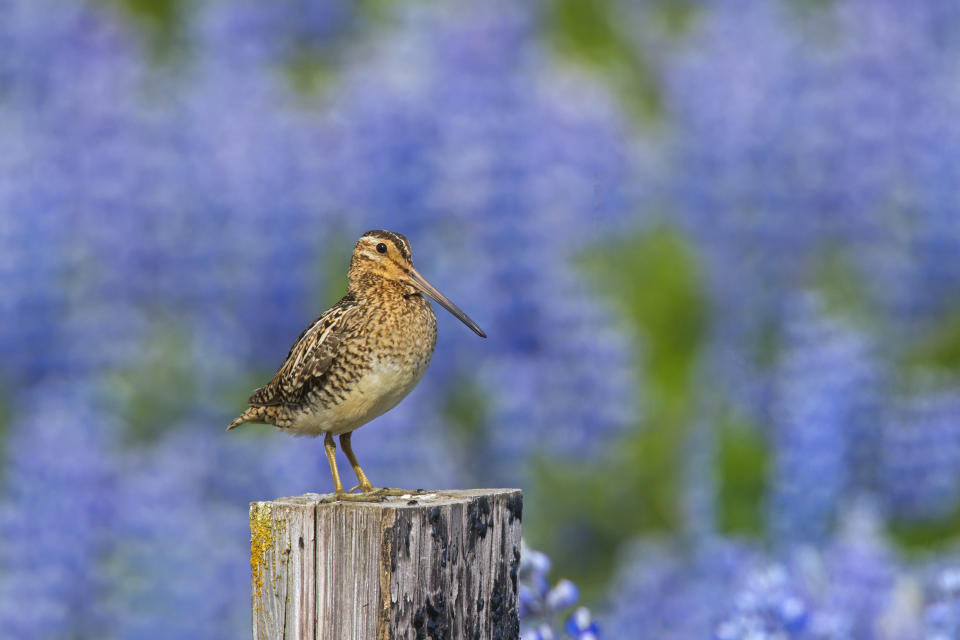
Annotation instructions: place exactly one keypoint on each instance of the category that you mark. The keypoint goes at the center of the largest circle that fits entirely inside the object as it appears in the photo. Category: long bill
(421, 283)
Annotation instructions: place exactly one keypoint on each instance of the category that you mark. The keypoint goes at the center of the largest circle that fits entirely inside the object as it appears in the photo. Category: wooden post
(420, 566)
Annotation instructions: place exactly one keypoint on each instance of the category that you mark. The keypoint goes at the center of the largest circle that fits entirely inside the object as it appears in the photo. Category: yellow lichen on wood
(261, 541)
(281, 527)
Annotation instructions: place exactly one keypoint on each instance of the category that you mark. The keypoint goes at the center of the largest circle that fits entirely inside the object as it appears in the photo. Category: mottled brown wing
(310, 356)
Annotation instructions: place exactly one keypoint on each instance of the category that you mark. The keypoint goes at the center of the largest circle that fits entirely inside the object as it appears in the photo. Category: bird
(359, 358)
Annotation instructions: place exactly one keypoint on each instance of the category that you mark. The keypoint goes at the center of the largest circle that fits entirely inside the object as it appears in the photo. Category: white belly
(383, 386)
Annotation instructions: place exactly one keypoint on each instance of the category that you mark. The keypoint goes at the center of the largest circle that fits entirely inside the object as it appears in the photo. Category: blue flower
(57, 516)
(920, 462)
(941, 616)
(845, 589)
(455, 133)
(581, 626)
(768, 605)
(860, 570)
(823, 375)
(181, 556)
(790, 147)
(247, 32)
(661, 592)
(542, 608)
(699, 480)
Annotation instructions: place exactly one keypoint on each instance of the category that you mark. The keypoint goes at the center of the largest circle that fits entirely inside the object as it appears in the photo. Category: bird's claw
(386, 492)
(372, 494)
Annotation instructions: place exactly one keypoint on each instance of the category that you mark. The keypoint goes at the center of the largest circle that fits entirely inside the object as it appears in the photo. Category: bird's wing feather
(310, 357)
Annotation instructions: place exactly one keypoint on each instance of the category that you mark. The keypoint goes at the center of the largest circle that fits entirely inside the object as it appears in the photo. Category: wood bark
(428, 565)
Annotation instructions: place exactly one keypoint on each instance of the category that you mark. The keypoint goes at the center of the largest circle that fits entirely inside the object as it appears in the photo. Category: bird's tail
(253, 414)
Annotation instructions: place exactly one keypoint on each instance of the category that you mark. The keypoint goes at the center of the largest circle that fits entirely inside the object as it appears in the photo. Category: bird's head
(386, 254)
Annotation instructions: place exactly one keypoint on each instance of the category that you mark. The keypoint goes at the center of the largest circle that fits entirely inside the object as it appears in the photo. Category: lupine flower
(72, 78)
(454, 132)
(822, 375)
(661, 592)
(581, 625)
(860, 571)
(815, 148)
(699, 488)
(170, 204)
(156, 221)
(254, 33)
(544, 610)
(56, 516)
(941, 618)
(182, 540)
(921, 457)
(226, 190)
(771, 604)
(726, 590)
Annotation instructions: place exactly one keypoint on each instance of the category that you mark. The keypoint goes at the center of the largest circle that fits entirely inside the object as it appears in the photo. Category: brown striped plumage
(359, 358)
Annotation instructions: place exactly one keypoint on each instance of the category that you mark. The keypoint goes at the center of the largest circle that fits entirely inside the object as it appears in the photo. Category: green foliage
(939, 348)
(309, 70)
(379, 11)
(813, 5)
(588, 29)
(743, 460)
(591, 32)
(333, 263)
(158, 389)
(840, 286)
(159, 20)
(465, 409)
(466, 415)
(653, 280)
(580, 514)
(930, 535)
(158, 14)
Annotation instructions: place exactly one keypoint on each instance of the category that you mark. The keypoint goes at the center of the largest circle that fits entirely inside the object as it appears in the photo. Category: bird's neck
(371, 285)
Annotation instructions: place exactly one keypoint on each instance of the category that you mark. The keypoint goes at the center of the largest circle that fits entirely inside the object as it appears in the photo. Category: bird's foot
(363, 488)
(349, 496)
(390, 491)
(371, 495)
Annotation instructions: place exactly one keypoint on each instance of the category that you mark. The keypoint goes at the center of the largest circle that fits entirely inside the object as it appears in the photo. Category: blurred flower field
(715, 245)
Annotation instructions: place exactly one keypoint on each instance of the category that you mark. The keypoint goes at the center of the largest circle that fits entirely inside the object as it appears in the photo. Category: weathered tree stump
(421, 566)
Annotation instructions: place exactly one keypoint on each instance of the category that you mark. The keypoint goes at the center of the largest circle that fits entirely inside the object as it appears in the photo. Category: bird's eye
(382, 248)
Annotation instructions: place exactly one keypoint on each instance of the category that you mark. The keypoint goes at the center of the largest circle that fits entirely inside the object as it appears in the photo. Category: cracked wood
(439, 565)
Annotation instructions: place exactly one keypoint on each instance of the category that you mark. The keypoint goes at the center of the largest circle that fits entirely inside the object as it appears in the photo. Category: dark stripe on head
(397, 239)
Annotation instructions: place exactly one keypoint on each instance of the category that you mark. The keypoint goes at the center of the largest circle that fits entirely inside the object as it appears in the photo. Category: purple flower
(770, 604)
(455, 132)
(823, 375)
(181, 559)
(57, 516)
(542, 608)
(661, 592)
(860, 571)
(920, 462)
(799, 160)
(941, 616)
(580, 625)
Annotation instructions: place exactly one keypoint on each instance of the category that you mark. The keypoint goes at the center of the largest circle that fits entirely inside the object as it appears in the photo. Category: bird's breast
(384, 385)
(386, 365)
(379, 388)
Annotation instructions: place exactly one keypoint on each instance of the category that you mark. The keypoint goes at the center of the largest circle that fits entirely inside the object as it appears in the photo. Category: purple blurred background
(715, 245)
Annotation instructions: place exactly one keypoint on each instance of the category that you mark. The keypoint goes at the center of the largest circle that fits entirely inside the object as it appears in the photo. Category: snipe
(360, 357)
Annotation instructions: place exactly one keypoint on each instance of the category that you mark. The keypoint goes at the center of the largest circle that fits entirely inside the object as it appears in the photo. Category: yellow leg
(331, 448)
(365, 485)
